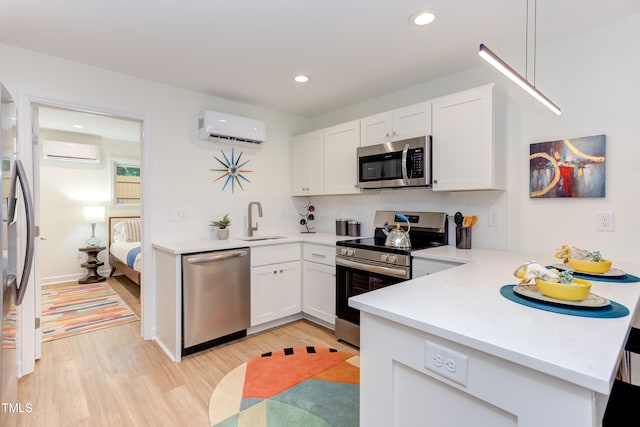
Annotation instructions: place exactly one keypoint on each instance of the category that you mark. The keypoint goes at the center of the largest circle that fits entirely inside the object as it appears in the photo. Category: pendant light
(523, 82)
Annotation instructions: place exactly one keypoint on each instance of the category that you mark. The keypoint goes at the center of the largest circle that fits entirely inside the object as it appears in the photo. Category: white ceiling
(92, 124)
(249, 50)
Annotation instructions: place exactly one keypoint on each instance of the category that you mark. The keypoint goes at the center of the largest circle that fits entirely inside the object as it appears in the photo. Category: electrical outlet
(446, 362)
(177, 215)
(605, 221)
(493, 219)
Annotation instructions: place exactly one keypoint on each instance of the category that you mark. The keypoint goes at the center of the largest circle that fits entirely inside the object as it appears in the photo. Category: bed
(124, 246)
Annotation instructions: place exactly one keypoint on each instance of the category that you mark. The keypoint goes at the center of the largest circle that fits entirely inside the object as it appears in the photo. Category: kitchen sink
(255, 238)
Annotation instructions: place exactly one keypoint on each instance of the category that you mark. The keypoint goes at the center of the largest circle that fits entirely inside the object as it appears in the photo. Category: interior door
(35, 138)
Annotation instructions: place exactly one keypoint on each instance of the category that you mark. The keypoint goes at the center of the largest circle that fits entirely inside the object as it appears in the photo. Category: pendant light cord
(535, 42)
(526, 43)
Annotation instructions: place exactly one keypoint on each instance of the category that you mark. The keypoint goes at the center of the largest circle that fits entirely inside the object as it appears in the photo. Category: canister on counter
(353, 228)
(341, 227)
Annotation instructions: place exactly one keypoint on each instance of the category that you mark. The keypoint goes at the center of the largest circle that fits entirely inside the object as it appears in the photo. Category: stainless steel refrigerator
(17, 229)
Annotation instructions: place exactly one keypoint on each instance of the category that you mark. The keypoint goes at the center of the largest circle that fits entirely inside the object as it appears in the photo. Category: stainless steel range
(364, 265)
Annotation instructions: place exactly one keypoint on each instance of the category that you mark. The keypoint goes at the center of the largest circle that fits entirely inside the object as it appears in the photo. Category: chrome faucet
(251, 227)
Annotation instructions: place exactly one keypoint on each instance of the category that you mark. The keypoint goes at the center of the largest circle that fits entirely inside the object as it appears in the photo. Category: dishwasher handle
(220, 257)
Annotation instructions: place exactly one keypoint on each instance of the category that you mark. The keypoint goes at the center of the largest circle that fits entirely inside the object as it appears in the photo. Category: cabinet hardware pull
(319, 255)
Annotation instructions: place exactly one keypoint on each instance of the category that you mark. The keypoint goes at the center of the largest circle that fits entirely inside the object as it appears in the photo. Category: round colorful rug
(302, 386)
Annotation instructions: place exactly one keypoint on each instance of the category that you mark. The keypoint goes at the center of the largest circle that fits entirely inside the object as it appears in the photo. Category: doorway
(79, 157)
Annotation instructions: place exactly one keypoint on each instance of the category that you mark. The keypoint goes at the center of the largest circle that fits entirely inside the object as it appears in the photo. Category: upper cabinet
(324, 161)
(468, 145)
(402, 123)
(469, 150)
(307, 164)
(340, 158)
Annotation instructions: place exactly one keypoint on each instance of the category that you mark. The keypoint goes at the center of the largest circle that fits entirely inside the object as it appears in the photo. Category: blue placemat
(627, 278)
(611, 311)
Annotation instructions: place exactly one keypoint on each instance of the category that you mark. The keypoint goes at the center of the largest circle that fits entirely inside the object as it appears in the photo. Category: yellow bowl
(590, 266)
(577, 290)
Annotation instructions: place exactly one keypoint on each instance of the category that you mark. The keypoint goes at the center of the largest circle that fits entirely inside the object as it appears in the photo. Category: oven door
(356, 277)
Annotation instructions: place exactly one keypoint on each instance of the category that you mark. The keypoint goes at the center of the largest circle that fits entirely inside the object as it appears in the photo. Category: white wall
(594, 80)
(65, 187)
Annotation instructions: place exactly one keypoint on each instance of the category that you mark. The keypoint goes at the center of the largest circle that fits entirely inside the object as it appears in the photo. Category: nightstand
(92, 264)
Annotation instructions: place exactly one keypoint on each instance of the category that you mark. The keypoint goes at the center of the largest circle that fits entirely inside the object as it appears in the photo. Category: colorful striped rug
(76, 309)
(302, 386)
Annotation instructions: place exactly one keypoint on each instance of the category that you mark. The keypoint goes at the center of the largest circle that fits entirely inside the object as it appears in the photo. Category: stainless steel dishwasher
(216, 298)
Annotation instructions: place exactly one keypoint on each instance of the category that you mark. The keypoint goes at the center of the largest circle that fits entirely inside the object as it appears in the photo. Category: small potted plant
(222, 227)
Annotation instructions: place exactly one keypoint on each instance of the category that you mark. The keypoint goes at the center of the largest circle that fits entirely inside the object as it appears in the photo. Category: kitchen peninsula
(449, 349)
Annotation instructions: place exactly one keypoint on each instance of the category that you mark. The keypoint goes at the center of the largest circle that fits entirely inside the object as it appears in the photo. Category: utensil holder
(463, 237)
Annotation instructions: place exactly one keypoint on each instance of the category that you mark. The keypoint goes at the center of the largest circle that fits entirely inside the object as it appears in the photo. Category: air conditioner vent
(70, 152)
(215, 125)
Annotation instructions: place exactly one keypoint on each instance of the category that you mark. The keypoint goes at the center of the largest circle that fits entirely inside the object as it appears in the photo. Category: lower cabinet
(320, 291)
(282, 286)
(275, 282)
(319, 283)
(275, 291)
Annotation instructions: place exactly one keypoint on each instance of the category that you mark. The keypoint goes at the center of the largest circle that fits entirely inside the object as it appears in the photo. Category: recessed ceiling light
(78, 126)
(422, 17)
(301, 78)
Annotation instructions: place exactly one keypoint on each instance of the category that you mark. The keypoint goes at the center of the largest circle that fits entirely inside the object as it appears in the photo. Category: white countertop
(192, 246)
(463, 304)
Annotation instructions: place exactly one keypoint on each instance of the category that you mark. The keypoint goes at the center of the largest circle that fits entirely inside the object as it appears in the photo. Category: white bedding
(120, 249)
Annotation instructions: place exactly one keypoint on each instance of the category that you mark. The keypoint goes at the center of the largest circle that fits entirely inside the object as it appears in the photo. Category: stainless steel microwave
(395, 164)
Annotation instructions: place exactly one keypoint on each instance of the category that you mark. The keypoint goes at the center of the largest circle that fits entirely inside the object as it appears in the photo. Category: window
(126, 183)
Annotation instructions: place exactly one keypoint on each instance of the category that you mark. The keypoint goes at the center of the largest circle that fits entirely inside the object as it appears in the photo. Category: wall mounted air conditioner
(214, 125)
(70, 151)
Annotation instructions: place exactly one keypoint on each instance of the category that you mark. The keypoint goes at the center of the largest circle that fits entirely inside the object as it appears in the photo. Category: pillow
(132, 229)
(119, 234)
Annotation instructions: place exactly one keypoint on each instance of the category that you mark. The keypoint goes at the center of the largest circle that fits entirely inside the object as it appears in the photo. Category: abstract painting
(568, 168)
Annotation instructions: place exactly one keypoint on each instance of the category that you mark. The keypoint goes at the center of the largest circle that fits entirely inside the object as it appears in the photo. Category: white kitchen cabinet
(422, 267)
(275, 291)
(403, 123)
(324, 161)
(469, 150)
(307, 164)
(340, 162)
(275, 282)
(319, 283)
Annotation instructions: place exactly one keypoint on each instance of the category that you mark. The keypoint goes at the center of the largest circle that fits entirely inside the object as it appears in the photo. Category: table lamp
(93, 214)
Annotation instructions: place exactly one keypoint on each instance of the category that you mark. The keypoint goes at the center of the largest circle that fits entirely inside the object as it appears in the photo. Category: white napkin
(532, 269)
(566, 251)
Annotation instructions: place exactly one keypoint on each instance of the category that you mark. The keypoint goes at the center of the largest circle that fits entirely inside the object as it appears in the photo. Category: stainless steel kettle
(398, 238)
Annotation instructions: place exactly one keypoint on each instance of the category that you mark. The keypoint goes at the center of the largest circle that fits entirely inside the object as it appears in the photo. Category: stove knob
(343, 251)
(393, 258)
(350, 252)
(384, 257)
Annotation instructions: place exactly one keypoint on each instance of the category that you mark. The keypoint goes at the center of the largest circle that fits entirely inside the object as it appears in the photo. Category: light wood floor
(111, 377)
